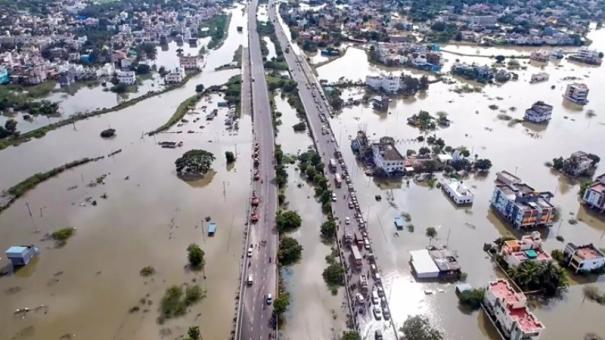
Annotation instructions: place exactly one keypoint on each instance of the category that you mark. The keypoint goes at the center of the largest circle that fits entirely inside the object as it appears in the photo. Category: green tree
(431, 232)
(557, 163)
(350, 335)
(11, 125)
(199, 88)
(281, 303)
(230, 156)
(289, 251)
(328, 230)
(195, 254)
(547, 277)
(472, 298)
(287, 221)
(194, 333)
(418, 328)
(483, 164)
(143, 69)
(334, 275)
(194, 162)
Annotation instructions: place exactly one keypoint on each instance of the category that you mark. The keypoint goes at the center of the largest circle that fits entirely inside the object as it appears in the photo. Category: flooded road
(314, 313)
(520, 148)
(148, 219)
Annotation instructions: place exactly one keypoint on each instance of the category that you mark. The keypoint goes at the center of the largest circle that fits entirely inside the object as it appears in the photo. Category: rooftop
(389, 152)
(588, 252)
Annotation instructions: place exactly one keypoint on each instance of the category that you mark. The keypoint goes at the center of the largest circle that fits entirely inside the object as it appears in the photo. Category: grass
(35, 91)
(217, 30)
(31, 182)
(176, 301)
(41, 132)
(180, 112)
(63, 234)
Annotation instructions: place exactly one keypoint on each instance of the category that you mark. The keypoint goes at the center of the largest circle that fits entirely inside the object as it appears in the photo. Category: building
(577, 93)
(386, 157)
(4, 76)
(585, 258)
(380, 103)
(388, 83)
(540, 56)
(538, 113)
(22, 255)
(126, 77)
(458, 192)
(587, 56)
(175, 76)
(580, 163)
(594, 196)
(528, 248)
(483, 74)
(519, 204)
(508, 310)
(539, 77)
(189, 62)
(434, 263)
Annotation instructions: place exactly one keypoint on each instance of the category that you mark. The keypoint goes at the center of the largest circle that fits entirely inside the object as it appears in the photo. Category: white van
(249, 281)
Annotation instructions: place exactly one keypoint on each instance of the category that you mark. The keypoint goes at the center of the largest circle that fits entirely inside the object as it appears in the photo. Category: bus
(357, 260)
(337, 180)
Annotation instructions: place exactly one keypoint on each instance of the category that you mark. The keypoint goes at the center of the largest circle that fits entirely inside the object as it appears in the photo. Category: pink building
(528, 248)
(508, 309)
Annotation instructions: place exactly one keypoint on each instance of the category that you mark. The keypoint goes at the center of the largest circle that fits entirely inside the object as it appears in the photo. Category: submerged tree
(194, 163)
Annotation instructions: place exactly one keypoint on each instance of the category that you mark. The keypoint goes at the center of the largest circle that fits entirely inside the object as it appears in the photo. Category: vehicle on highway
(337, 180)
(366, 243)
(377, 313)
(250, 251)
(249, 281)
(333, 197)
(347, 220)
(332, 164)
(375, 298)
(377, 277)
(269, 299)
(377, 335)
(351, 205)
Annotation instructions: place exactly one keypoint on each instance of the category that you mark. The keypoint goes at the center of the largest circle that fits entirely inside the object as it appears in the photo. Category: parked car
(377, 313)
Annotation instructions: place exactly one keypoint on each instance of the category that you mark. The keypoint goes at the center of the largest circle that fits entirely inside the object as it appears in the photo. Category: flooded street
(517, 147)
(314, 313)
(148, 219)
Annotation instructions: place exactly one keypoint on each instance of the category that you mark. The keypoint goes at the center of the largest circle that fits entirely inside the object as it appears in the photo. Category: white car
(250, 251)
(269, 299)
(347, 220)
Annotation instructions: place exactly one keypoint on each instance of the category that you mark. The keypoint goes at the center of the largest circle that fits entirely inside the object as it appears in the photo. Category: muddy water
(148, 218)
(520, 148)
(314, 313)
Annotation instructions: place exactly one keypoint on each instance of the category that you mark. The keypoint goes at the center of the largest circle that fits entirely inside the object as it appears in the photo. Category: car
(366, 243)
(377, 313)
(249, 281)
(347, 220)
(380, 291)
(350, 205)
(269, 299)
(375, 298)
(250, 251)
(377, 335)
(333, 197)
(377, 277)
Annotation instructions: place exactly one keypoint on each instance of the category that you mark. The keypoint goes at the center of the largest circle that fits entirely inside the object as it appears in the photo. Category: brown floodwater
(149, 218)
(520, 148)
(314, 313)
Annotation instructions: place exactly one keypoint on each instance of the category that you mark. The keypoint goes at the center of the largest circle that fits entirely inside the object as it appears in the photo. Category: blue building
(4, 77)
(22, 255)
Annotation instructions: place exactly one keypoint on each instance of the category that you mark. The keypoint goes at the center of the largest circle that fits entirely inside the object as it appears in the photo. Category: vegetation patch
(194, 164)
(195, 255)
(147, 271)
(418, 328)
(176, 301)
(180, 112)
(216, 28)
(289, 251)
(472, 298)
(287, 221)
(62, 235)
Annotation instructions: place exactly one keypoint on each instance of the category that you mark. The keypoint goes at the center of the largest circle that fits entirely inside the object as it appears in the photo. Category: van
(249, 281)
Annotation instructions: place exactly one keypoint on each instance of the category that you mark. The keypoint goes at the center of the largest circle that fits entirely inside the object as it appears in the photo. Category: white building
(458, 192)
(577, 93)
(509, 309)
(126, 77)
(189, 62)
(386, 83)
(175, 76)
(386, 157)
(584, 258)
(594, 196)
(528, 248)
(423, 264)
(540, 112)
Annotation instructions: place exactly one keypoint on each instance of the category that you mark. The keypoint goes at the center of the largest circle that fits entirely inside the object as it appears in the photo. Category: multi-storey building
(577, 93)
(540, 112)
(584, 258)
(594, 196)
(528, 248)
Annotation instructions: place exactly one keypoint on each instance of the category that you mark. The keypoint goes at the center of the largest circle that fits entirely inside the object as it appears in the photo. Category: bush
(147, 271)
(431, 232)
(328, 230)
(175, 301)
(62, 235)
(289, 251)
(195, 254)
(472, 298)
(334, 275)
(280, 305)
(299, 127)
(350, 335)
(287, 221)
(418, 328)
(194, 333)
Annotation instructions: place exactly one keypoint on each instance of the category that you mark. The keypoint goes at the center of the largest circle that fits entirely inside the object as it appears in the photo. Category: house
(483, 74)
(189, 62)
(508, 310)
(539, 77)
(580, 163)
(587, 56)
(540, 56)
(380, 103)
(126, 77)
(446, 261)
(519, 204)
(594, 196)
(387, 83)
(175, 76)
(434, 263)
(584, 258)
(22, 255)
(538, 113)
(458, 192)
(528, 248)
(577, 93)
(386, 157)
(67, 77)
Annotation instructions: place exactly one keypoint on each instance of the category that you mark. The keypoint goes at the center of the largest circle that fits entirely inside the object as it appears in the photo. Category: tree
(289, 251)
(280, 305)
(350, 335)
(199, 88)
(500, 59)
(195, 254)
(334, 274)
(299, 127)
(194, 333)
(547, 277)
(11, 125)
(431, 232)
(483, 164)
(194, 163)
(424, 151)
(328, 230)
(557, 163)
(143, 69)
(287, 221)
(472, 298)
(418, 328)
(230, 157)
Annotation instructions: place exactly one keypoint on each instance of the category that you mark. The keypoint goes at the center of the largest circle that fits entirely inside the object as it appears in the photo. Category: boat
(211, 229)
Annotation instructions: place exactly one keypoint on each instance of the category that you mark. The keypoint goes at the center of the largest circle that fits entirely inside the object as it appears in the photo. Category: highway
(369, 316)
(255, 313)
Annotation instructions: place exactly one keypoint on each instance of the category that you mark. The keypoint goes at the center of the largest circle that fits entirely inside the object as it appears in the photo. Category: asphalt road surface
(255, 315)
(317, 112)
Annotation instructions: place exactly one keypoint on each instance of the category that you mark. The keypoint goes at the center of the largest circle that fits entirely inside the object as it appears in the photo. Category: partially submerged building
(519, 204)
(528, 248)
(594, 196)
(434, 263)
(458, 192)
(539, 112)
(508, 310)
(387, 158)
(22, 255)
(577, 93)
(584, 258)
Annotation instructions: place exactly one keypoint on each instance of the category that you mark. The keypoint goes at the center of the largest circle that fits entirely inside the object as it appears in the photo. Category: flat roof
(588, 252)
(423, 262)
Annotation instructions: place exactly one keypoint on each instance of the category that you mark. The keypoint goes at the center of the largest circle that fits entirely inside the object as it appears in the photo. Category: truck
(337, 180)
(357, 260)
